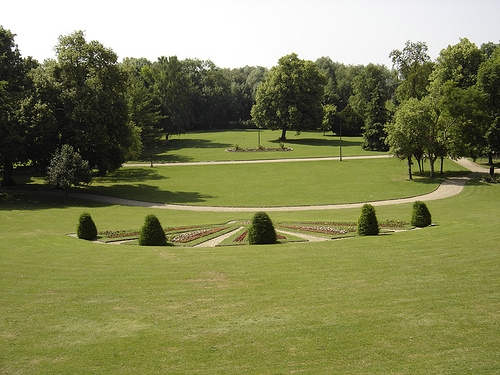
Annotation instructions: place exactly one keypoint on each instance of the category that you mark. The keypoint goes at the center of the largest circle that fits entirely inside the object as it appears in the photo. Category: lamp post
(340, 134)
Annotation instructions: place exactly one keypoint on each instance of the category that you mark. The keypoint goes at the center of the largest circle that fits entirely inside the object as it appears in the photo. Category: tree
(372, 89)
(461, 105)
(406, 135)
(91, 108)
(367, 222)
(12, 90)
(291, 97)
(152, 234)
(143, 112)
(172, 90)
(414, 67)
(262, 230)
(67, 168)
(488, 79)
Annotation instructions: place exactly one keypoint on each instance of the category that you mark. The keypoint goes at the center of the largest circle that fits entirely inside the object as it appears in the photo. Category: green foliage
(421, 217)
(262, 230)
(290, 98)
(67, 168)
(152, 233)
(86, 228)
(367, 222)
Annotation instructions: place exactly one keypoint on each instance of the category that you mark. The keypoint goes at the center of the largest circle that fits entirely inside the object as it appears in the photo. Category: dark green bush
(86, 228)
(262, 230)
(152, 234)
(367, 222)
(420, 217)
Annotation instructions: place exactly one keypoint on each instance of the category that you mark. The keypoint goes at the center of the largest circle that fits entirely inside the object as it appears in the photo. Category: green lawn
(418, 302)
(212, 146)
(276, 184)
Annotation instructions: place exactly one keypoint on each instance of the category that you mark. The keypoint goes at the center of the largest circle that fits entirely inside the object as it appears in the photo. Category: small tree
(421, 217)
(67, 168)
(152, 233)
(262, 230)
(86, 228)
(367, 222)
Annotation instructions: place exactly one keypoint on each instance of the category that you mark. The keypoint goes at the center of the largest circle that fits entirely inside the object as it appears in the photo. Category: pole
(340, 134)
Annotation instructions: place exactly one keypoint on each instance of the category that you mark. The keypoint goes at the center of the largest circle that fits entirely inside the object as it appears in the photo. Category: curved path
(447, 188)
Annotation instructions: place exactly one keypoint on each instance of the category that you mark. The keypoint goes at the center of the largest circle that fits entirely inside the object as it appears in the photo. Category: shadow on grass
(332, 141)
(147, 193)
(131, 175)
(14, 200)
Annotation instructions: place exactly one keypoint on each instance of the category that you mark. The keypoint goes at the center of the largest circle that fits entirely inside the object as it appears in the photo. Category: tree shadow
(131, 175)
(148, 193)
(327, 141)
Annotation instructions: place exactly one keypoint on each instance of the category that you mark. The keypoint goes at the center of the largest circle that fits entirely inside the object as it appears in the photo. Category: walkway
(448, 188)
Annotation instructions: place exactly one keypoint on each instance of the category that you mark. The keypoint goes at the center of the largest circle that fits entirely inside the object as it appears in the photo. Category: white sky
(235, 33)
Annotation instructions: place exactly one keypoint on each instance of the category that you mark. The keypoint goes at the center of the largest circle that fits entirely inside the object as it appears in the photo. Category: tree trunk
(431, 164)
(490, 158)
(442, 162)
(409, 168)
(283, 135)
(7, 179)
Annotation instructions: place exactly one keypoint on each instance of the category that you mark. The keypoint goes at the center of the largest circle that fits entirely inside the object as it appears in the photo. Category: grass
(419, 302)
(277, 184)
(212, 146)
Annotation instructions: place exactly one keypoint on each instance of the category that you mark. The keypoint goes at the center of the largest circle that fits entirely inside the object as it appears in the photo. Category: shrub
(152, 234)
(262, 230)
(86, 228)
(420, 217)
(367, 222)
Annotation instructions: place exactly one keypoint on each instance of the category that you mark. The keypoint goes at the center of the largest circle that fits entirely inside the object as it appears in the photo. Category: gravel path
(447, 188)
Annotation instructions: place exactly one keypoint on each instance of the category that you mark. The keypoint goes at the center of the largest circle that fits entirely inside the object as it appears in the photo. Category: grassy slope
(424, 301)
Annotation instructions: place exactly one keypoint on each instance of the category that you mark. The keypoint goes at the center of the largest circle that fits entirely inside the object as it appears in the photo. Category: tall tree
(94, 117)
(143, 111)
(12, 90)
(414, 67)
(372, 89)
(291, 97)
(489, 82)
(460, 103)
(172, 89)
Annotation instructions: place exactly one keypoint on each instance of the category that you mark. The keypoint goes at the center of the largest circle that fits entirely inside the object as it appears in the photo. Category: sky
(236, 33)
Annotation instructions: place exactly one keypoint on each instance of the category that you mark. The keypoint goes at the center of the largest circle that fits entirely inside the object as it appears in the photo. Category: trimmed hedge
(262, 230)
(86, 228)
(420, 217)
(367, 222)
(152, 233)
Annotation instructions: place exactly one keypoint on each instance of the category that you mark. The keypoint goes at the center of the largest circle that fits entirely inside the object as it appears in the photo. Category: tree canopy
(291, 97)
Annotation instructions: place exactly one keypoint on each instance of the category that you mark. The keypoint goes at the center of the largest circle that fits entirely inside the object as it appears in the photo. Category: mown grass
(276, 184)
(212, 146)
(419, 302)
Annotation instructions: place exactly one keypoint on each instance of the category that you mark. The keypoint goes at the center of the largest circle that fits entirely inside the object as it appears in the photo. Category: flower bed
(190, 236)
(322, 228)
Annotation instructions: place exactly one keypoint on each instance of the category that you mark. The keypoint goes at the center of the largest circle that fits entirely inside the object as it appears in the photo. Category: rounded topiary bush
(367, 222)
(262, 230)
(86, 228)
(420, 217)
(152, 234)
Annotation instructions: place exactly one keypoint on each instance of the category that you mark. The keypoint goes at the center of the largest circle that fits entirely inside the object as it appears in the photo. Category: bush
(86, 228)
(367, 222)
(420, 217)
(152, 234)
(262, 230)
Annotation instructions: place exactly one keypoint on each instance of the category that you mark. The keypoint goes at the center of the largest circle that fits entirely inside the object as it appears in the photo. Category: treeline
(111, 111)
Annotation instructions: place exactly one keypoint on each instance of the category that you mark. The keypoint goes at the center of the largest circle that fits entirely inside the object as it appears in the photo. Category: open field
(419, 302)
(212, 146)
